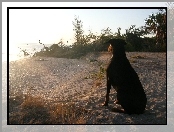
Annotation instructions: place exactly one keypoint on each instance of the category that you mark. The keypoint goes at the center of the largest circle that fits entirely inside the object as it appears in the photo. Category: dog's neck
(118, 56)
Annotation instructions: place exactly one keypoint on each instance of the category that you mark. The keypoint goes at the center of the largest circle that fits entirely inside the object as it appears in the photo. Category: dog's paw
(105, 104)
(117, 102)
(118, 110)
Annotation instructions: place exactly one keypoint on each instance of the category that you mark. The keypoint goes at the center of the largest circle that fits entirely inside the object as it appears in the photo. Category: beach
(83, 82)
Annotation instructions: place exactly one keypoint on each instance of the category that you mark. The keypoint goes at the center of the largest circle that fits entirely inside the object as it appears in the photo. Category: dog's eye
(110, 48)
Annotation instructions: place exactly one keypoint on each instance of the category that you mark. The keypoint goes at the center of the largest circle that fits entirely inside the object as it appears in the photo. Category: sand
(80, 81)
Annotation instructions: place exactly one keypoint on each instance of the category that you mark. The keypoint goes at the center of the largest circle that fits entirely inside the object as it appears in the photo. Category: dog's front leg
(107, 93)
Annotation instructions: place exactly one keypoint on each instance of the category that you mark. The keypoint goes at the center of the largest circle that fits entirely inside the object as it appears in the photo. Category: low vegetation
(135, 37)
(30, 109)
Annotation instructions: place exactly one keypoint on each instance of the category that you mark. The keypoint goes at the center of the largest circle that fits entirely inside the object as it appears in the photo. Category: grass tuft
(35, 110)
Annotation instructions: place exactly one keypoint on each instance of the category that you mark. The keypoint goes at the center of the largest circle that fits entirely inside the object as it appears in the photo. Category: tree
(156, 24)
(78, 28)
(133, 38)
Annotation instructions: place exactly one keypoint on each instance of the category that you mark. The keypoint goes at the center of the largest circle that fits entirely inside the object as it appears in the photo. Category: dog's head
(116, 46)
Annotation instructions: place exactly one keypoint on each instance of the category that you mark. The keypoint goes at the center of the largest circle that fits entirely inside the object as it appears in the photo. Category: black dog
(123, 78)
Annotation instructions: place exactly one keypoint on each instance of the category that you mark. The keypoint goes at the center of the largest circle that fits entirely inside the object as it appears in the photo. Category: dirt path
(81, 81)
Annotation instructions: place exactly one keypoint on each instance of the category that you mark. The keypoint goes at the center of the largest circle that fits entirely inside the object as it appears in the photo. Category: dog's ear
(122, 41)
(110, 42)
(125, 43)
(114, 41)
(107, 42)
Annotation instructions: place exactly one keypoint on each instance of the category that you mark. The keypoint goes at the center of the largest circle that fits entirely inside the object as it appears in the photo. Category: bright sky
(51, 25)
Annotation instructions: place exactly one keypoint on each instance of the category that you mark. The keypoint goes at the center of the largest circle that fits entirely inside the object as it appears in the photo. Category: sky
(51, 25)
(28, 26)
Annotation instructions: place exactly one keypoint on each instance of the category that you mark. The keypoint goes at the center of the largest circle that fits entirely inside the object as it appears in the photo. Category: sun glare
(29, 26)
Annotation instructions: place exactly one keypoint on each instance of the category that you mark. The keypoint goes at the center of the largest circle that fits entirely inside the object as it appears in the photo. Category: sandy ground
(80, 81)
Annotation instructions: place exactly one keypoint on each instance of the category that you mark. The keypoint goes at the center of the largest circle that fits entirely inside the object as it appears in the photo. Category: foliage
(135, 38)
(156, 24)
(78, 28)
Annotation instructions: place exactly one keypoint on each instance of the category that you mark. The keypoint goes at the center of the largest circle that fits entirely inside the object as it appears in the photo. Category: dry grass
(30, 109)
(35, 110)
(139, 57)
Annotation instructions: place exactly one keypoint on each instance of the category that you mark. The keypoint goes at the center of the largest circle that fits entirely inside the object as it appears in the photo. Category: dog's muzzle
(110, 48)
